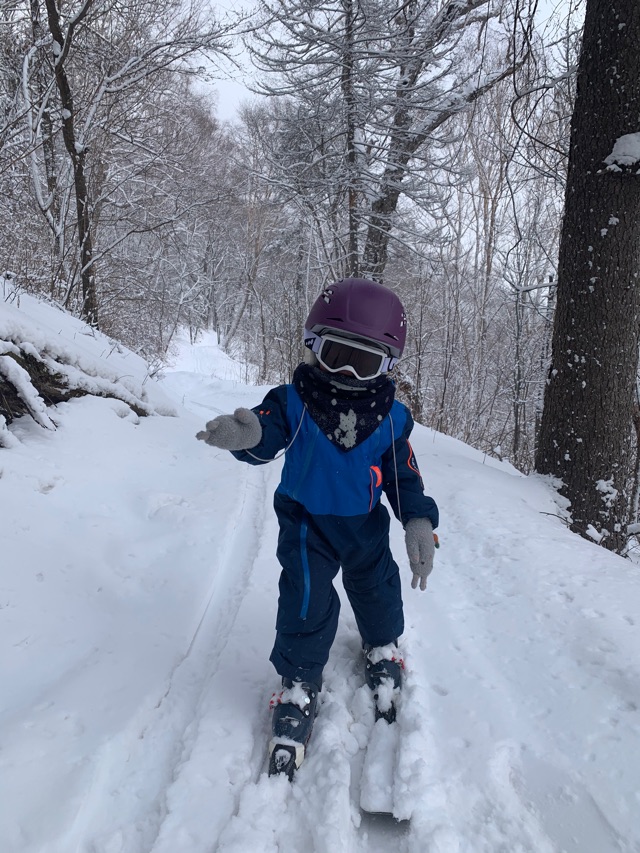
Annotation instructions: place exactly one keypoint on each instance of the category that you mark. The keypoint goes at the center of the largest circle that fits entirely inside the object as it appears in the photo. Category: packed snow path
(138, 718)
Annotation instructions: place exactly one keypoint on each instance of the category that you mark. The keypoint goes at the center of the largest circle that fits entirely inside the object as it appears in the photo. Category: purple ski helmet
(359, 308)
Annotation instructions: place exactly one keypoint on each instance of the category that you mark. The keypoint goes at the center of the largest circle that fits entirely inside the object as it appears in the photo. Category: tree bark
(586, 427)
(78, 154)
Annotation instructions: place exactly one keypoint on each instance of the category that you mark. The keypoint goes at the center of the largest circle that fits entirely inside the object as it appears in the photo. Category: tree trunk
(77, 152)
(51, 206)
(586, 427)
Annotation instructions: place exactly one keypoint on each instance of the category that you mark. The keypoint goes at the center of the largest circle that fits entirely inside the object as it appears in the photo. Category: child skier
(346, 441)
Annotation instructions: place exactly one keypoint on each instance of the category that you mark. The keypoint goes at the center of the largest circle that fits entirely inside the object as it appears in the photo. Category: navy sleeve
(408, 486)
(272, 413)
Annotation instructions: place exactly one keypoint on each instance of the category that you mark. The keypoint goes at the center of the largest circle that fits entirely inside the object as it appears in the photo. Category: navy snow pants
(311, 550)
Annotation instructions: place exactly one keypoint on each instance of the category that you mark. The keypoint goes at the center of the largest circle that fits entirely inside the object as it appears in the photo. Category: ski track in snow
(189, 730)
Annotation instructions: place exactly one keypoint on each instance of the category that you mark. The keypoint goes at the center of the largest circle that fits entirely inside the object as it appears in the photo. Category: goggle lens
(365, 363)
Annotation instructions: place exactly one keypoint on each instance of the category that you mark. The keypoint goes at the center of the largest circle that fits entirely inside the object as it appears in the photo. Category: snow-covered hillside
(138, 587)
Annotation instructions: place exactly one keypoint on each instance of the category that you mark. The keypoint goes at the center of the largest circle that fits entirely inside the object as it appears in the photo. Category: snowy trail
(493, 759)
(483, 771)
(226, 743)
(531, 736)
(165, 738)
(137, 627)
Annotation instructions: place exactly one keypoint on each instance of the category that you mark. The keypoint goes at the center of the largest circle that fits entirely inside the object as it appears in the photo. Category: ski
(377, 783)
(384, 668)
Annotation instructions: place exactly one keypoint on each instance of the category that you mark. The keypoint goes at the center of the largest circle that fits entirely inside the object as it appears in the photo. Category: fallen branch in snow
(566, 521)
(29, 383)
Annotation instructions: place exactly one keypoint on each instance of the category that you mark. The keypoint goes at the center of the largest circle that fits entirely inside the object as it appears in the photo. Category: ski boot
(294, 712)
(383, 673)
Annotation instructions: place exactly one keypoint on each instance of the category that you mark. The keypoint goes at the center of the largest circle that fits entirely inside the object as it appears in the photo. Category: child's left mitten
(239, 431)
(421, 546)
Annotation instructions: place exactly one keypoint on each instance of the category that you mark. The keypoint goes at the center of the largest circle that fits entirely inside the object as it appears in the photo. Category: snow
(138, 590)
(608, 492)
(294, 695)
(89, 360)
(626, 152)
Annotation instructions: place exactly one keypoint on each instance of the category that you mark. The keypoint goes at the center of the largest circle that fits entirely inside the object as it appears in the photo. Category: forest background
(421, 143)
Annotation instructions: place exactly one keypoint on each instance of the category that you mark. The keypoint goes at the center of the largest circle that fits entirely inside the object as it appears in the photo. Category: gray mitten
(238, 431)
(418, 538)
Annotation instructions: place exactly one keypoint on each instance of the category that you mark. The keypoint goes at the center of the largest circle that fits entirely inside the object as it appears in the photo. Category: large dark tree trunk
(586, 427)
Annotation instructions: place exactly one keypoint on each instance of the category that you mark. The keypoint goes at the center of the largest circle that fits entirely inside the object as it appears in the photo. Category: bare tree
(381, 81)
(101, 57)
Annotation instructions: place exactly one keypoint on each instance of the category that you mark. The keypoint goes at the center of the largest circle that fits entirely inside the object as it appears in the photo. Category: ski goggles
(338, 355)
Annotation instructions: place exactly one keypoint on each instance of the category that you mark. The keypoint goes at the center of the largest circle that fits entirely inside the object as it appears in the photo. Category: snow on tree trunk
(586, 429)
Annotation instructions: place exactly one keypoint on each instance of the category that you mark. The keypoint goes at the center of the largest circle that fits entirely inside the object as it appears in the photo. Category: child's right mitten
(239, 431)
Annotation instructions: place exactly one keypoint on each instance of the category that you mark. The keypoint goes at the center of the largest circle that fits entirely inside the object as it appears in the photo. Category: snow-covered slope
(138, 588)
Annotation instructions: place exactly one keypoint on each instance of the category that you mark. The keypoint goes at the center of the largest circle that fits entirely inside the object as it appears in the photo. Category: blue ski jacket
(329, 481)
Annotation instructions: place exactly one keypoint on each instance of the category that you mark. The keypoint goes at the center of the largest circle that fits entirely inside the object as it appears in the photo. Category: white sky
(231, 92)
